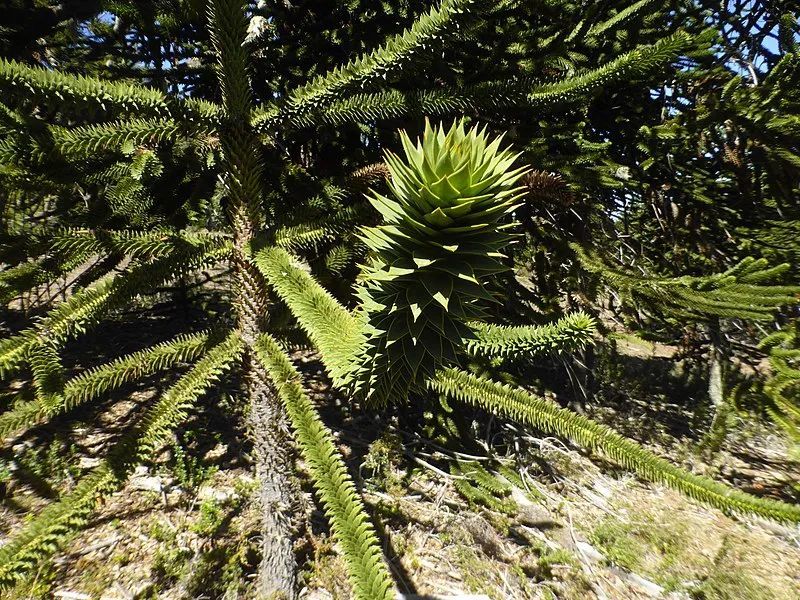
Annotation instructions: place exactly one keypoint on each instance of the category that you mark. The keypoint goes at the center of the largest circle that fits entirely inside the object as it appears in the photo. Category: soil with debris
(182, 526)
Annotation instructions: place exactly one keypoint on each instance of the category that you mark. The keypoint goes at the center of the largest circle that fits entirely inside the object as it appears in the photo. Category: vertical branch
(267, 421)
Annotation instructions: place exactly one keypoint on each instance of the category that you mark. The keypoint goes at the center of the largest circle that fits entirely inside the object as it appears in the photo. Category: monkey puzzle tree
(422, 300)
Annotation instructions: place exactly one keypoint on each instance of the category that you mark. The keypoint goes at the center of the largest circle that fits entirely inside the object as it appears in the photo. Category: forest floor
(182, 526)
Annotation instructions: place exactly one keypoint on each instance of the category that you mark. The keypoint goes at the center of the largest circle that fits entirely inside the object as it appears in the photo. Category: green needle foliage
(782, 387)
(32, 84)
(442, 235)
(568, 334)
(329, 325)
(395, 53)
(520, 405)
(52, 527)
(351, 526)
(632, 64)
(190, 156)
(548, 417)
(102, 378)
(743, 291)
(86, 308)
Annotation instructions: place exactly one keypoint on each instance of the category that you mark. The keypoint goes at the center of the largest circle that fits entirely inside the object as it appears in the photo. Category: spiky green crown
(452, 183)
(444, 229)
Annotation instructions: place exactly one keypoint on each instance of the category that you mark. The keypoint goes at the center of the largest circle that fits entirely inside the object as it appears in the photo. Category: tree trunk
(269, 433)
(267, 423)
(716, 389)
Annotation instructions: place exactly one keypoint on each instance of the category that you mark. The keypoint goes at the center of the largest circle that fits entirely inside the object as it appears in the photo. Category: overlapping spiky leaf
(95, 381)
(782, 387)
(570, 333)
(743, 291)
(443, 231)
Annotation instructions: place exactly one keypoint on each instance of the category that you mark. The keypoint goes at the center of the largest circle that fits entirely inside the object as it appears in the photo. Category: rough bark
(267, 424)
(716, 389)
(269, 433)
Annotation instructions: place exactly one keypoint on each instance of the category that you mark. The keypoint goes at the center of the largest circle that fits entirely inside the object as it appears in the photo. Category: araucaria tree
(275, 181)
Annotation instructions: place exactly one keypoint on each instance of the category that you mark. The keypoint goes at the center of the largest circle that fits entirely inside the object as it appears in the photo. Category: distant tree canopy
(646, 182)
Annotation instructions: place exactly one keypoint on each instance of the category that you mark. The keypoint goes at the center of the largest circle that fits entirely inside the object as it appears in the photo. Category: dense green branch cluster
(85, 308)
(331, 328)
(548, 417)
(743, 291)
(52, 527)
(393, 55)
(568, 334)
(518, 404)
(26, 84)
(144, 169)
(443, 231)
(103, 378)
(631, 64)
(782, 388)
(136, 244)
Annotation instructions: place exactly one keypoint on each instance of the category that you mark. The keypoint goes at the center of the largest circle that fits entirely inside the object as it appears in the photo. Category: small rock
(602, 488)
(140, 471)
(147, 484)
(18, 449)
(175, 494)
(142, 589)
(87, 462)
(221, 495)
(589, 551)
(246, 479)
(485, 536)
(216, 453)
(115, 592)
(438, 597)
(648, 587)
(94, 440)
(533, 515)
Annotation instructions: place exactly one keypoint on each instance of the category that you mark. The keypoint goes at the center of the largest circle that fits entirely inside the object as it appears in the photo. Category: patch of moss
(327, 570)
(212, 516)
(728, 581)
(699, 559)
(170, 564)
(221, 571)
(382, 462)
(560, 567)
(634, 544)
(96, 577)
(161, 532)
(53, 462)
(39, 586)
(477, 572)
(551, 558)
(189, 470)
(731, 585)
